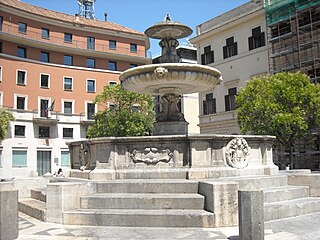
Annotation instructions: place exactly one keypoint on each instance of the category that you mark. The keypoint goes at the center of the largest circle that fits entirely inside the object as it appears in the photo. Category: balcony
(86, 120)
(48, 118)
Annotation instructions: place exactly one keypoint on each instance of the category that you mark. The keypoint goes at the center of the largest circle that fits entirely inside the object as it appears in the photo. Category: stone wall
(181, 156)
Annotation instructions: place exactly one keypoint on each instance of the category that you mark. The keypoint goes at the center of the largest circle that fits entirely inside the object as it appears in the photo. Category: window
(230, 103)
(19, 158)
(67, 83)
(68, 132)
(21, 77)
(257, 39)
(44, 107)
(90, 43)
(67, 107)
(0, 73)
(68, 60)
(112, 66)
(0, 47)
(112, 44)
(91, 109)
(112, 83)
(44, 132)
(44, 57)
(209, 105)
(280, 29)
(133, 65)
(231, 48)
(91, 63)
(22, 52)
(19, 131)
(133, 47)
(68, 37)
(21, 103)
(208, 56)
(1, 22)
(65, 158)
(22, 27)
(45, 33)
(91, 85)
(44, 80)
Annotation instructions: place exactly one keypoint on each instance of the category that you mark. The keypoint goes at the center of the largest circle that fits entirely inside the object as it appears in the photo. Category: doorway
(43, 162)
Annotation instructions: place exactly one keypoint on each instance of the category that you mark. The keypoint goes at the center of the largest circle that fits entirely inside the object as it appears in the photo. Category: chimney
(106, 17)
(77, 17)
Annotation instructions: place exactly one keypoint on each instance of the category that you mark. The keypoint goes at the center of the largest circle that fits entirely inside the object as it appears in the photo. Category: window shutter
(263, 39)
(250, 40)
(227, 103)
(212, 56)
(204, 106)
(225, 55)
(203, 59)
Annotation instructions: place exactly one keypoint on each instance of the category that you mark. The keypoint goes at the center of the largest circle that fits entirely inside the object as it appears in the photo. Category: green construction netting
(278, 10)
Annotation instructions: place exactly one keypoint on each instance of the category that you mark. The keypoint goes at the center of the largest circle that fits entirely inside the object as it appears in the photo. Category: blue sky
(141, 14)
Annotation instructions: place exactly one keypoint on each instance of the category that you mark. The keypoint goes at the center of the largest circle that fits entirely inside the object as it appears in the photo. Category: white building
(235, 44)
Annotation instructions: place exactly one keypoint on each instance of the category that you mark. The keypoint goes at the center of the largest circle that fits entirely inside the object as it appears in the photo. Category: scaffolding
(86, 8)
(294, 36)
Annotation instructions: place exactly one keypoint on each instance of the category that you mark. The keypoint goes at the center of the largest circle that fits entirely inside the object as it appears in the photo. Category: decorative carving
(237, 152)
(169, 109)
(161, 73)
(151, 156)
(84, 156)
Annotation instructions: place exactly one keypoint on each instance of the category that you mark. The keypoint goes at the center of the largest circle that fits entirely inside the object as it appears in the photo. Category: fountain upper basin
(167, 78)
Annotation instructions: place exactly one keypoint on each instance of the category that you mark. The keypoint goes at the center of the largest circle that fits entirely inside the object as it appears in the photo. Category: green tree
(131, 114)
(5, 118)
(285, 105)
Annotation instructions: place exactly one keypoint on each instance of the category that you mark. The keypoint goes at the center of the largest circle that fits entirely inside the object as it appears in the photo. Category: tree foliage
(5, 118)
(285, 105)
(131, 114)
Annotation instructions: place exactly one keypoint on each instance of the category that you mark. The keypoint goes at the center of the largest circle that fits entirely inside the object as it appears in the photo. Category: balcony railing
(48, 117)
(33, 35)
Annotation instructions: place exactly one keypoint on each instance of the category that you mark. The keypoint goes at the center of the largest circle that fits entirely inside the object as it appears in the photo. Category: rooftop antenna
(86, 8)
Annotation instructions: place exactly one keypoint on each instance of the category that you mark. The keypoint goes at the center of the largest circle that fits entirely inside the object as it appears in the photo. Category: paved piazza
(305, 227)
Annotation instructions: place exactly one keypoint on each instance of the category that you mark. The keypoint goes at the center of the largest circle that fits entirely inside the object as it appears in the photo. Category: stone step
(265, 181)
(34, 208)
(291, 208)
(139, 218)
(148, 186)
(39, 194)
(142, 201)
(283, 193)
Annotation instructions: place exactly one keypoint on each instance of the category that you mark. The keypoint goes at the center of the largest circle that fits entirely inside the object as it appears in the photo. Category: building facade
(256, 38)
(235, 44)
(52, 65)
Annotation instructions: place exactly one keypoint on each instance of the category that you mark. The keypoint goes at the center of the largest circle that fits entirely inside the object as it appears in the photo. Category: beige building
(52, 65)
(235, 44)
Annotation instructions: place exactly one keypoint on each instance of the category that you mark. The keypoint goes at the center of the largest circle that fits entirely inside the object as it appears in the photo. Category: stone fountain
(171, 152)
(146, 181)
(170, 79)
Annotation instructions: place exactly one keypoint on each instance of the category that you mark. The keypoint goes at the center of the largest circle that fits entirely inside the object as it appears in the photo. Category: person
(59, 173)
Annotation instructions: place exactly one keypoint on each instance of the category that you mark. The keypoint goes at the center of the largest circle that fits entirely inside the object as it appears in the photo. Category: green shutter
(19, 158)
(65, 158)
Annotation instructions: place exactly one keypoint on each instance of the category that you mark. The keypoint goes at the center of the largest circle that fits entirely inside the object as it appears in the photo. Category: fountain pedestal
(170, 128)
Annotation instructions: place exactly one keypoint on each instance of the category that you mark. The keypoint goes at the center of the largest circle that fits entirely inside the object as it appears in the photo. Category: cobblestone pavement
(306, 227)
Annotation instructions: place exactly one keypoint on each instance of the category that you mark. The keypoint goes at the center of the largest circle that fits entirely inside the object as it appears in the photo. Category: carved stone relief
(237, 153)
(151, 156)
